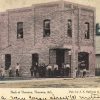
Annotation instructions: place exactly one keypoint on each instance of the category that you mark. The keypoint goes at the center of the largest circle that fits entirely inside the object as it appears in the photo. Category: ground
(92, 82)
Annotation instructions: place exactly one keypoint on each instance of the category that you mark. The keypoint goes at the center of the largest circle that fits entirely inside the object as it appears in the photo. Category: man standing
(49, 70)
(17, 69)
(31, 70)
(10, 72)
(55, 70)
(2, 73)
(75, 73)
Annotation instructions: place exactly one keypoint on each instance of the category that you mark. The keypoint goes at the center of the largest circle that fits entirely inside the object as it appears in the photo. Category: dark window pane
(46, 28)
(20, 30)
(47, 24)
(97, 29)
(87, 34)
(69, 28)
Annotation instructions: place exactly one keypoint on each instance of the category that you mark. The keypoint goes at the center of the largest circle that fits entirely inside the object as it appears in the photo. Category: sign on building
(98, 29)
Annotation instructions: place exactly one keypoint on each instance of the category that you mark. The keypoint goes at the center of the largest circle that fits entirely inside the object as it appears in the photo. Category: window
(19, 30)
(87, 35)
(46, 29)
(98, 29)
(7, 61)
(69, 28)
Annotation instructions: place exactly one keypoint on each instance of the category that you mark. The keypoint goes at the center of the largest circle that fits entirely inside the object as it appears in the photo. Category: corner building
(51, 33)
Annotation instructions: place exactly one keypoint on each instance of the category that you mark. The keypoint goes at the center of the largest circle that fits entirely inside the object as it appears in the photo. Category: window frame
(69, 27)
(46, 28)
(87, 31)
(20, 30)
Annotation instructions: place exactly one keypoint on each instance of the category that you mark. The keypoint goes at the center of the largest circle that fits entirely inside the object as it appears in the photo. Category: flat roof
(50, 3)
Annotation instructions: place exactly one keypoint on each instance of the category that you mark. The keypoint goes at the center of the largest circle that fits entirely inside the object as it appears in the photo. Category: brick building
(51, 33)
(97, 49)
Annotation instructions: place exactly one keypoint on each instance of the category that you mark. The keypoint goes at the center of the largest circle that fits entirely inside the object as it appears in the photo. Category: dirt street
(92, 82)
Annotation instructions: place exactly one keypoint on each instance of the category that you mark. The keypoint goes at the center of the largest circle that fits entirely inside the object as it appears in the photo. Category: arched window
(87, 30)
(46, 27)
(69, 28)
(19, 30)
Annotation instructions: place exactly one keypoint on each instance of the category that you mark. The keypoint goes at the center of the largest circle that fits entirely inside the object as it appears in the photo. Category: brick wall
(21, 50)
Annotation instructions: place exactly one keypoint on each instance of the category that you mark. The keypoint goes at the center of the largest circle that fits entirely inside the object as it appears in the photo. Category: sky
(10, 4)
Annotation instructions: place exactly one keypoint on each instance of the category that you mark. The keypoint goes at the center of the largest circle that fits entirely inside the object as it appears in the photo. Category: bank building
(55, 33)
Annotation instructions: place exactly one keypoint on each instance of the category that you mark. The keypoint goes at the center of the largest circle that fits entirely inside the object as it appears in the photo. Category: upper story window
(19, 30)
(87, 30)
(69, 27)
(46, 28)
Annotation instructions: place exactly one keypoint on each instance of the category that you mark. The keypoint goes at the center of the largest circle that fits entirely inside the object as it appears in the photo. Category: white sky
(10, 4)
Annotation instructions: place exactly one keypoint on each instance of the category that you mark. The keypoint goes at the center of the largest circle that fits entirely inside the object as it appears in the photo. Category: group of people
(10, 71)
(80, 73)
(42, 70)
(38, 70)
(17, 71)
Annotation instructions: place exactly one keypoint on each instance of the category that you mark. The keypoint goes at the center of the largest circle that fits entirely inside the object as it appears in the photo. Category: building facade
(51, 33)
(97, 49)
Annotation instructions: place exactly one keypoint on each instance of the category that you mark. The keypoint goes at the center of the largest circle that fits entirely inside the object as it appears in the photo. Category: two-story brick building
(51, 33)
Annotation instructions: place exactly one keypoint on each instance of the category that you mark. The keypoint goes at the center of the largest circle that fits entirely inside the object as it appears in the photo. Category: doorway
(83, 60)
(7, 61)
(35, 58)
(60, 57)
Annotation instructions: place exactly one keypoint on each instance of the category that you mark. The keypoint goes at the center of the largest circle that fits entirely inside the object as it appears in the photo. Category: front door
(60, 60)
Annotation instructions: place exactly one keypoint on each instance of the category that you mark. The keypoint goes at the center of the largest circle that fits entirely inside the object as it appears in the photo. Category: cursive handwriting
(49, 95)
(91, 97)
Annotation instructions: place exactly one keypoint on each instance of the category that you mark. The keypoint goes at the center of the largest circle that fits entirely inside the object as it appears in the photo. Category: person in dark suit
(31, 70)
(17, 69)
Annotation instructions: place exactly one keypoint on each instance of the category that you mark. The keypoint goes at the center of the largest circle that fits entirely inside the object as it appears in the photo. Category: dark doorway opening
(83, 60)
(35, 58)
(60, 57)
(7, 61)
(34, 67)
